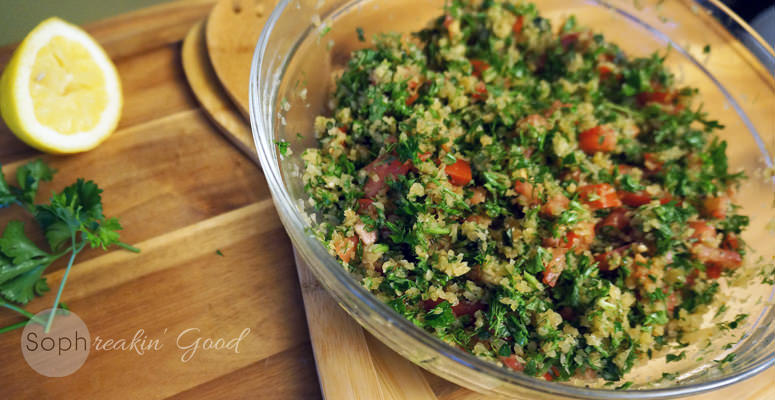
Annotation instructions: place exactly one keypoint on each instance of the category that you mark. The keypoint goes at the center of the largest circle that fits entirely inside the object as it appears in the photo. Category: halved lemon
(60, 93)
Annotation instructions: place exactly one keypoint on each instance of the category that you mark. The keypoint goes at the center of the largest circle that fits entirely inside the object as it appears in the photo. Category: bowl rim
(296, 226)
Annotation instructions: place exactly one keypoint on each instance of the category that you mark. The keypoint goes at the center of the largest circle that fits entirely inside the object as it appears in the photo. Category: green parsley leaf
(440, 316)
(676, 357)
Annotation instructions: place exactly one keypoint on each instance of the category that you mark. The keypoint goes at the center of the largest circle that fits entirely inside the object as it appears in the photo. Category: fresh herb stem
(17, 309)
(13, 327)
(128, 247)
(75, 252)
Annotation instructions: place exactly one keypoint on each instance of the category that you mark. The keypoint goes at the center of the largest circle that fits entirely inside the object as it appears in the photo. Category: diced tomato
(571, 240)
(554, 267)
(671, 301)
(526, 189)
(555, 205)
(604, 70)
(568, 39)
(713, 271)
(512, 362)
(480, 91)
(616, 219)
(425, 156)
(703, 232)
(479, 196)
(600, 138)
(536, 121)
(343, 129)
(651, 162)
(716, 207)
(731, 242)
(459, 172)
(659, 95)
(567, 314)
(636, 199)
(346, 248)
(384, 167)
(603, 258)
(412, 98)
(431, 304)
(548, 376)
(479, 67)
(365, 205)
(556, 105)
(467, 308)
(601, 195)
(447, 21)
(517, 27)
(723, 258)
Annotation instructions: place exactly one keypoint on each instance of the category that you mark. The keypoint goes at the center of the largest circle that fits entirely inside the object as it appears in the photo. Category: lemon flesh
(60, 93)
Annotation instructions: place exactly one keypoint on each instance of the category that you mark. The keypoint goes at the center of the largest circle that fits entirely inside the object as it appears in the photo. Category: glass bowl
(306, 41)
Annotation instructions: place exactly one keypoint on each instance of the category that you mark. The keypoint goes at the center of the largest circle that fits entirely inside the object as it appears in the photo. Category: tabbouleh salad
(528, 193)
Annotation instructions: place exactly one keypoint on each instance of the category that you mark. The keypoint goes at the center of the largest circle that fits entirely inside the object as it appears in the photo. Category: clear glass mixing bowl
(305, 41)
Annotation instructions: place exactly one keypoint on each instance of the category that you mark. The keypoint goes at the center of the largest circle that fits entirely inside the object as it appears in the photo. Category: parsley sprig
(72, 220)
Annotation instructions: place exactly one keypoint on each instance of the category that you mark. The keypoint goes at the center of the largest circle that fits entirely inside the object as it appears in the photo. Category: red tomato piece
(555, 205)
(459, 172)
(731, 242)
(601, 195)
(479, 196)
(365, 205)
(467, 308)
(716, 207)
(671, 302)
(602, 259)
(346, 248)
(431, 304)
(554, 267)
(517, 27)
(703, 232)
(713, 271)
(659, 95)
(512, 362)
(600, 138)
(636, 199)
(526, 189)
(651, 162)
(604, 71)
(568, 39)
(480, 91)
(616, 219)
(412, 98)
(723, 258)
(447, 21)
(384, 169)
(479, 67)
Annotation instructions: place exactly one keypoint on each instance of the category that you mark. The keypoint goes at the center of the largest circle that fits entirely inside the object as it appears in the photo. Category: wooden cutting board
(184, 194)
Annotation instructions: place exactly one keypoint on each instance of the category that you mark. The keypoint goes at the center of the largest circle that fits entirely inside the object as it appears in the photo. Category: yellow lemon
(60, 93)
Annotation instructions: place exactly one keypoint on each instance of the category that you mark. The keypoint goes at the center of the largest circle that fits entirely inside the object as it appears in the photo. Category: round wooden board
(232, 31)
(210, 94)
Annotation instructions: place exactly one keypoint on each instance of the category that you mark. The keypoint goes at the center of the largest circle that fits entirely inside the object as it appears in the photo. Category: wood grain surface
(210, 93)
(232, 31)
(184, 194)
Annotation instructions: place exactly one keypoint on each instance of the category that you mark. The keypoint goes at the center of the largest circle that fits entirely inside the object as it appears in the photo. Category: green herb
(71, 221)
(361, 36)
(706, 49)
(282, 146)
(676, 357)
(218, 252)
